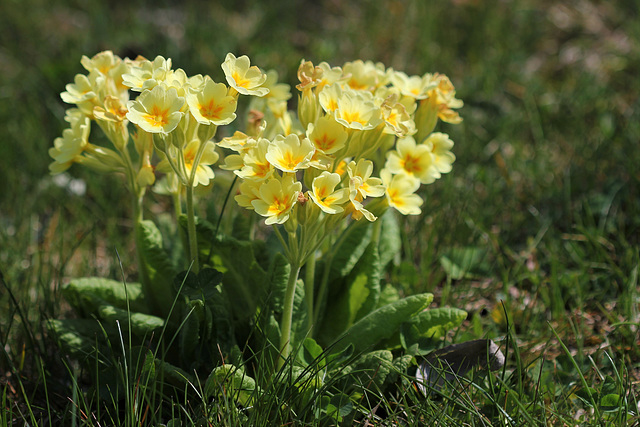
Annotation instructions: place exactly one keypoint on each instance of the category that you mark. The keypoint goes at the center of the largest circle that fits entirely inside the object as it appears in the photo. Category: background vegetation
(536, 230)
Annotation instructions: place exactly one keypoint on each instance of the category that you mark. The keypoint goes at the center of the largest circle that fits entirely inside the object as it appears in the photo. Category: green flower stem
(191, 230)
(309, 281)
(285, 324)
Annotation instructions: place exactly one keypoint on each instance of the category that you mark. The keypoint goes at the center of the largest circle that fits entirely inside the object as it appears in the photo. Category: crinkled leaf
(232, 382)
(78, 337)
(347, 254)
(244, 279)
(390, 241)
(382, 323)
(388, 295)
(88, 293)
(422, 329)
(279, 272)
(157, 270)
(370, 369)
(141, 324)
(359, 296)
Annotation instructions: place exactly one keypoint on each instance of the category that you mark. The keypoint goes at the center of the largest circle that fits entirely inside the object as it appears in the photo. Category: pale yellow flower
(84, 92)
(243, 77)
(102, 62)
(145, 74)
(357, 110)
(412, 159)
(156, 110)
(238, 142)
(325, 195)
(212, 105)
(203, 173)
(290, 153)
(327, 135)
(365, 75)
(255, 165)
(360, 180)
(441, 145)
(400, 190)
(396, 118)
(415, 86)
(330, 97)
(277, 197)
(249, 191)
(68, 149)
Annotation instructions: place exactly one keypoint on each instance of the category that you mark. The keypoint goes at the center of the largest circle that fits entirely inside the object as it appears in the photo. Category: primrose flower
(290, 153)
(365, 75)
(238, 142)
(255, 165)
(145, 74)
(212, 105)
(156, 110)
(412, 159)
(327, 135)
(415, 86)
(400, 191)
(203, 174)
(329, 98)
(397, 120)
(277, 197)
(361, 182)
(84, 91)
(441, 146)
(249, 191)
(356, 110)
(324, 195)
(244, 78)
(68, 149)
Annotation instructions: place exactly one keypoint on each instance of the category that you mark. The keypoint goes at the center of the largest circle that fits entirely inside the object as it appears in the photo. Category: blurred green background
(545, 189)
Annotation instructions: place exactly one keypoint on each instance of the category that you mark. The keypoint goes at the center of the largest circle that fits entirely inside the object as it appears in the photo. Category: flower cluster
(362, 131)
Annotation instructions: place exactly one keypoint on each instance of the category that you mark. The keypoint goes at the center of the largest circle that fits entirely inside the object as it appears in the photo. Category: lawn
(535, 232)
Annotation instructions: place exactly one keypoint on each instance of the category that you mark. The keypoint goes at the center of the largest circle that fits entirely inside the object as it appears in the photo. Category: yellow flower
(249, 191)
(290, 154)
(412, 159)
(365, 75)
(212, 105)
(244, 78)
(84, 92)
(361, 181)
(324, 194)
(400, 191)
(204, 173)
(255, 165)
(68, 149)
(415, 86)
(156, 110)
(238, 142)
(329, 98)
(396, 118)
(102, 62)
(441, 145)
(327, 135)
(356, 110)
(276, 199)
(145, 74)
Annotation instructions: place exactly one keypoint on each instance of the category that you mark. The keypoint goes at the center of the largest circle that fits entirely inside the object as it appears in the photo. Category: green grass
(541, 213)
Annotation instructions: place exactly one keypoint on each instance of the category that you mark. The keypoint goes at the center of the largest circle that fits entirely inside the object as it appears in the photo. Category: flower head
(325, 195)
(276, 198)
(212, 105)
(400, 190)
(243, 77)
(356, 110)
(68, 149)
(327, 135)
(412, 159)
(156, 110)
(290, 153)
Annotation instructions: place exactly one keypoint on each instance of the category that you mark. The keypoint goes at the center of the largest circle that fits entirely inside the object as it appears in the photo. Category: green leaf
(610, 402)
(232, 382)
(88, 293)
(382, 323)
(279, 272)
(141, 324)
(347, 254)
(311, 353)
(429, 325)
(468, 262)
(388, 295)
(359, 297)
(371, 369)
(244, 279)
(390, 241)
(158, 271)
(78, 337)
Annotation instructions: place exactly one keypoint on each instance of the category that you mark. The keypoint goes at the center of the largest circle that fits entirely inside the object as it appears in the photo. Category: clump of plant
(304, 306)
